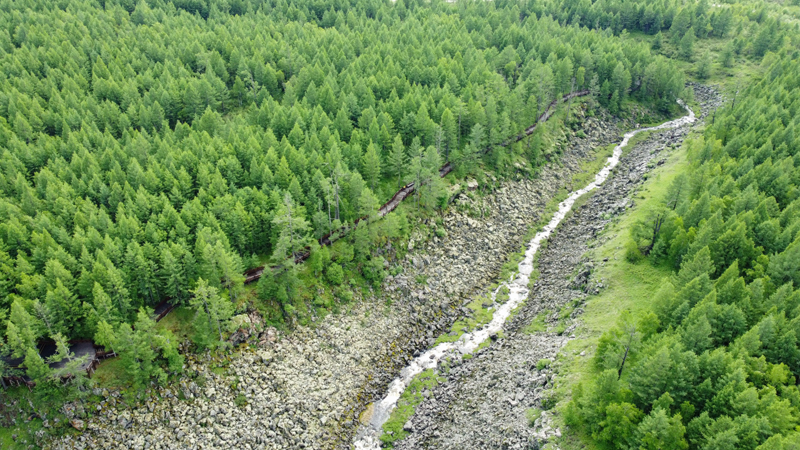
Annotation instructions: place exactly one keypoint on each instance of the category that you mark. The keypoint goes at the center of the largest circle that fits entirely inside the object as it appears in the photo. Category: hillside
(181, 179)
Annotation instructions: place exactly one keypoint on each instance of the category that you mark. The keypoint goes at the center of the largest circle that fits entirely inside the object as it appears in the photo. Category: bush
(543, 364)
(240, 400)
(632, 253)
(532, 414)
(335, 274)
(345, 295)
(373, 270)
(549, 401)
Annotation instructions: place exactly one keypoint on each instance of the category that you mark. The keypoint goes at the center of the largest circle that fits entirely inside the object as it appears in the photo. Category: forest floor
(310, 386)
(502, 397)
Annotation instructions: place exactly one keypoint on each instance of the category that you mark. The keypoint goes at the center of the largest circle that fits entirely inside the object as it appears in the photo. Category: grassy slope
(24, 433)
(628, 287)
(481, 315)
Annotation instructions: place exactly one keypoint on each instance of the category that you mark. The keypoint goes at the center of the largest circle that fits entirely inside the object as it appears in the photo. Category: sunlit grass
(111, 374)
(409, 400)
(627, 286)
(480, 316)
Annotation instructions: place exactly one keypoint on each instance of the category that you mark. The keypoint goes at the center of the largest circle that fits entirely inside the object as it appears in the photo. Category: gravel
(308, 388)
(483, 403)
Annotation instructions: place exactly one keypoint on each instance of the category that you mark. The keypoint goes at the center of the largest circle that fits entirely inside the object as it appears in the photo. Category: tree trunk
(208, 313)
(330, 223)
(656, 229)
(619, 373)
(336, 196)
(569, 104)
(219, 328)
(627, 349)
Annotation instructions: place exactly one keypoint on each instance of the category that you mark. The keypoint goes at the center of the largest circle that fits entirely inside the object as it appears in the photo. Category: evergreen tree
(212, 314)
(22, 330)
(105, 335)
(268, 288)
(368, 205)
(658, 431)
(72, 368)
(726, 56)
(102, 307)
(173, 277)
(431, 187)
(686, 45)
(396, 164)
(318, 260)
(230, 270)
(704, 66)
(137, 349)
(467, 158)
(371, 166)
(293, 230)
(36, 367)
(658, 41)
(61, 305)
(450, 133)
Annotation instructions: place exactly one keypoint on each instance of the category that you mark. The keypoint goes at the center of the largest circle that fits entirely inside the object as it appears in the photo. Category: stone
(298, 382)
(78, 424)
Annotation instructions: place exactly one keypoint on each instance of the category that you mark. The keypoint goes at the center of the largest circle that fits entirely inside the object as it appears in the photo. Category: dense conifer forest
(712, 362)
(155, 151)
(715, 360)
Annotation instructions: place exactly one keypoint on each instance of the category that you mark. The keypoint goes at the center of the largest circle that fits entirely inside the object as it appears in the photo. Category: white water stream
(368, 436)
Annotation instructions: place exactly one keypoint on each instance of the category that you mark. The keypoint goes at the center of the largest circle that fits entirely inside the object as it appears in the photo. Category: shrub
(240, 400)
(543, 364)
(632, 253)
(335, 274)
(345, 295)
(532, 414)
(373, 270)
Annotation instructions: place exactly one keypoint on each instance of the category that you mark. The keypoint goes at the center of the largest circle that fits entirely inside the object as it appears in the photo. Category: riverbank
(500, 398)
(309, 388)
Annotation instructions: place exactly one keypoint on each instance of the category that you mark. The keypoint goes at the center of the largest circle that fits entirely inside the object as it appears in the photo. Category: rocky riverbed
(307, 389)
(484, 401)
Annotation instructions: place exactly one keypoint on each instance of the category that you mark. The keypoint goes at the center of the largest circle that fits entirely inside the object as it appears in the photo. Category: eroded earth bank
(307, 388)
(484, 400)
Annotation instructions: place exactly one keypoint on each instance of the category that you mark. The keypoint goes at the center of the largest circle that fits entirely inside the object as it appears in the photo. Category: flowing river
(368, 436)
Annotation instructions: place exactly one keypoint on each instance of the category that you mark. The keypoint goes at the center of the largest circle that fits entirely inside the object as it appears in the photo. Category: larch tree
(23, 330)
(396, 163)
(432, 186)
(294, 230)
(212, 315)
(172, 275)
(371, 165)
